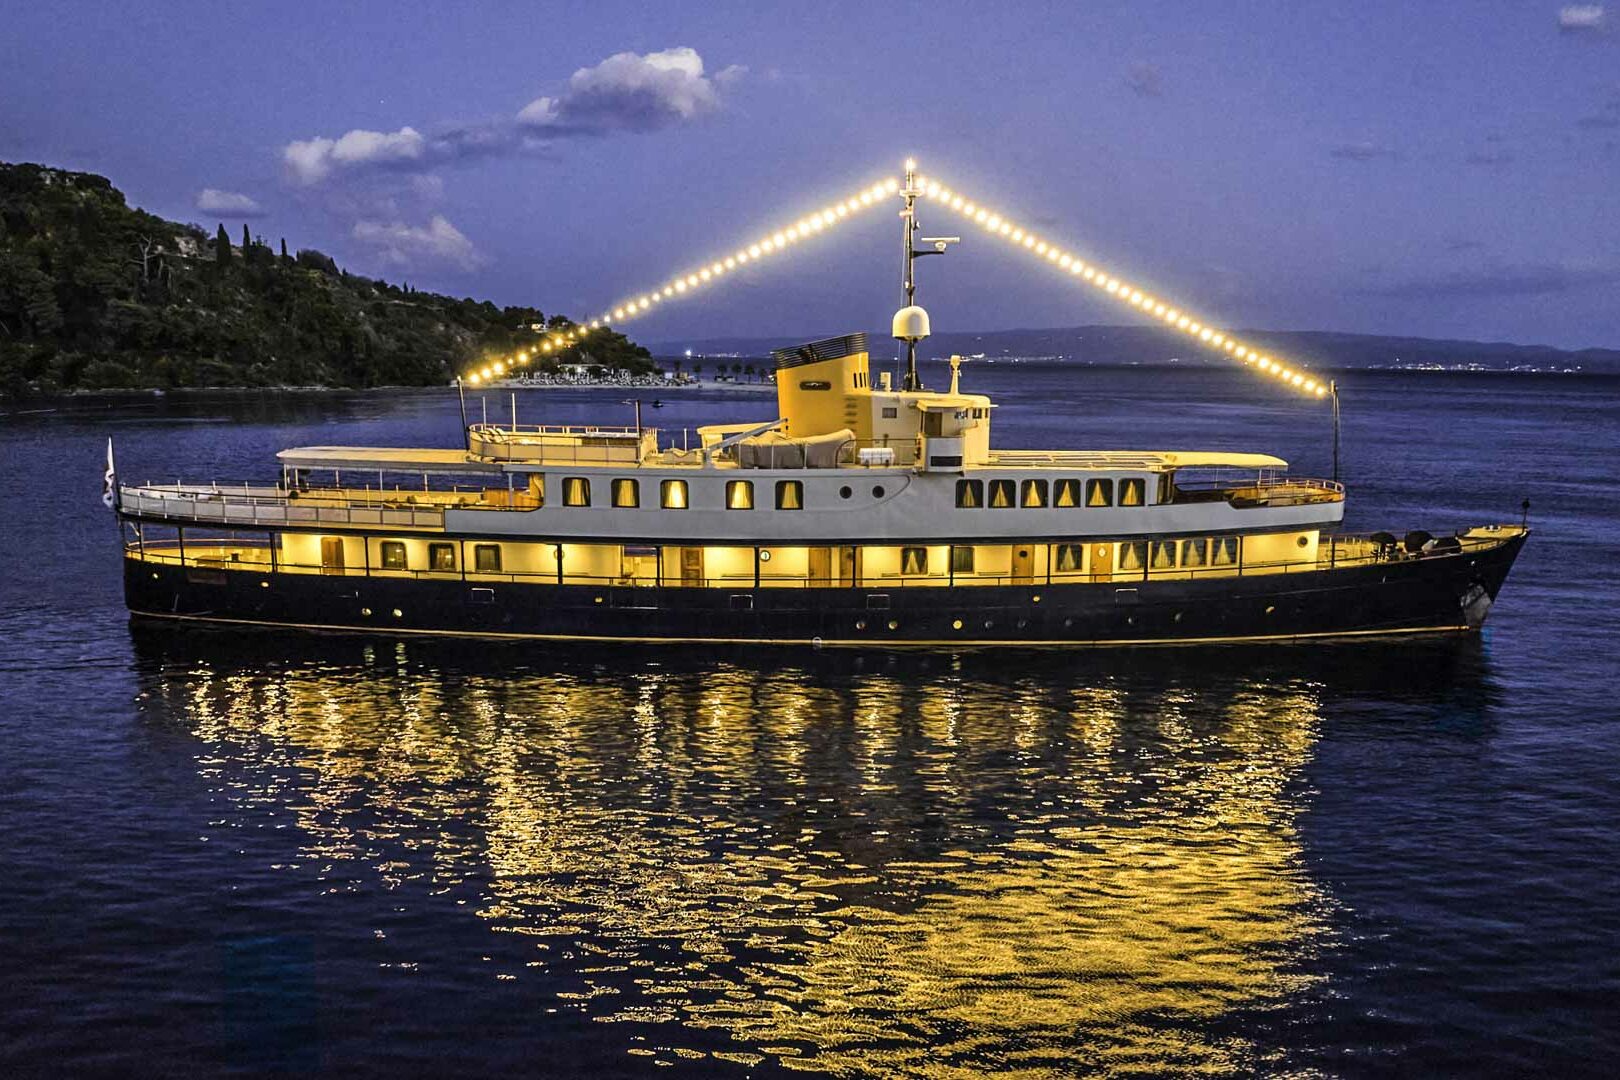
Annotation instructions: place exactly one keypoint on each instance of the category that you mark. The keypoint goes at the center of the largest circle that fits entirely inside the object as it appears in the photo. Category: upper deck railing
(562, 444)
(247, 505)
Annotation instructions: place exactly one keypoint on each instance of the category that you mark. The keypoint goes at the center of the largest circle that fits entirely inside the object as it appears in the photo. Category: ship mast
(917, 327)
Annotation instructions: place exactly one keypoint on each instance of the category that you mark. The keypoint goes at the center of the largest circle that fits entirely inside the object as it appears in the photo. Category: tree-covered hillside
(96, 295)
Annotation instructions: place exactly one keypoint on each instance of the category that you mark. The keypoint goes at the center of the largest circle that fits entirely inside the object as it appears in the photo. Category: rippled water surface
(265, 852)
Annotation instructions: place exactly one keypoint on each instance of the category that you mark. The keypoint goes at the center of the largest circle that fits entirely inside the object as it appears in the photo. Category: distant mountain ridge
(1109, 345)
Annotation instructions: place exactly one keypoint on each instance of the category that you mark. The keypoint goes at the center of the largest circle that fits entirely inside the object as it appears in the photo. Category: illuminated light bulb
(486, 373)
(994, 221)
(933, 189)
(1205, 334)
(1192, 327)
(1090, 273)
(753, 250)
(1005, 228)
(474, 378)
(645, 304)
(742, 258)
(1065, 262)
(1041, 248)
(778, 239)
(1017, 235)
(705, 275)
(1029, 241)
(1158, 309)
(1136, 299)
(1112, 287)
(717, 268)
(731, 262)
(911, 165)
(891, 185)
(843, 209)
(981, 217)
(618, 313)
(1052, 254)
(1181, 323)
(680, 286)
(791, 232)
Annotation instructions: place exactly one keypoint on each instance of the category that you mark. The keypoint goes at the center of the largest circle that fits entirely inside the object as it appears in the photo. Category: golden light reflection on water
(846, 868)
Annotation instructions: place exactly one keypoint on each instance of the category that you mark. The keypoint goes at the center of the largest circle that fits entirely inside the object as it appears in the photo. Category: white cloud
(413, 245)
(229, 203)
(630, 92)
(311, 161)
(1581, 18)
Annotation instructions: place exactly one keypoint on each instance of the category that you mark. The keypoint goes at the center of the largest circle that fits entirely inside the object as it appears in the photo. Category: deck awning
(385, 459)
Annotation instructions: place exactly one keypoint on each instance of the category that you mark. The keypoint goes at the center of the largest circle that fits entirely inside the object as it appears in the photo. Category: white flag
(109, 482)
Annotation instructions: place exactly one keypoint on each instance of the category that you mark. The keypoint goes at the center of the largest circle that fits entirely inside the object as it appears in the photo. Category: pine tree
(222, 248)
(283, 249)
(247, 241)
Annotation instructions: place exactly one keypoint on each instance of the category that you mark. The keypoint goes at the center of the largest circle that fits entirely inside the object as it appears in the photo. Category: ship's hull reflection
(900, 864)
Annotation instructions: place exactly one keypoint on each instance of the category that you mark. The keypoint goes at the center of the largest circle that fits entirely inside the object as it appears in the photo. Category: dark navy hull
(1433, 594)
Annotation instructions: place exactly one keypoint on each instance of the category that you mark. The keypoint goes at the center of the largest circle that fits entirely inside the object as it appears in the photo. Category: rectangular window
(1195, 552)
(1223, 551)
(1068, 493)
(891, 413)
(1130, 491)
(1070, 558)
(1001, 494)
(970, 494)
(576, 491)
(441, 556)
(1099, 493)
(1164, 554)
(1034, 493)
(914, 560)
(487, 558)
(672, 495)
(393, 555)
(790, 495)
(626, 494)
(739, 494)
(1132, 555)
(962, 560)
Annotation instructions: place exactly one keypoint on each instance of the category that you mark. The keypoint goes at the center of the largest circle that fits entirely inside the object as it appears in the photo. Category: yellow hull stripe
(834, 643)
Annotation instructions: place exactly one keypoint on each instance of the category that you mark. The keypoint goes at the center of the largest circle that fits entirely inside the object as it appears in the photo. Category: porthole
(1178, 616)
(989, 624)
(1022, 623)
(264, 584)
(1068, 624)
(1035, 599)
(860, 624)
(366, 612)
(764, 556)
(398, 614)
(956, 624)
(877, 491)
(596, 599)
(1270, 609)
(894, 624)
(845, 492)
(1304, 541)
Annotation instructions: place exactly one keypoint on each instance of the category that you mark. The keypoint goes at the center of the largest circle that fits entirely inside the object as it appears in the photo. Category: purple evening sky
(1444, 169)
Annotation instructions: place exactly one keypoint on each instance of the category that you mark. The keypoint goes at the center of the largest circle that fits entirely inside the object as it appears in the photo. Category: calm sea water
(270, 852)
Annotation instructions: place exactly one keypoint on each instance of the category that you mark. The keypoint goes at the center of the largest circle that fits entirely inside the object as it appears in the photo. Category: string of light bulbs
(1116, 288)
(772, 243)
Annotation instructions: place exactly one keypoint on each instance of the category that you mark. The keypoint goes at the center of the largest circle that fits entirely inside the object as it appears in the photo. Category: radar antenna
(911, 324)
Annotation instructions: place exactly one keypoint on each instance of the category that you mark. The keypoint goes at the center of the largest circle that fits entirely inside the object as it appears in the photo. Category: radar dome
(911, 323)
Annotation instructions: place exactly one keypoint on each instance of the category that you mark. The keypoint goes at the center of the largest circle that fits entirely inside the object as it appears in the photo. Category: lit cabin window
(1195, 552)
(576, 491)
(914, 560)
(1164, 554)
(1034, 493)
(739, 494)
(672, 495)
(1130, 491)
(962, 560)
(393, 555)
(487, 558)
(626, 493)
(1068, 493)
(441, 556)
(1070, 558)
(790, 495)
(1099, 493)
(1001, 494)
(1223, 551)
(970, 494)
(1132, 556)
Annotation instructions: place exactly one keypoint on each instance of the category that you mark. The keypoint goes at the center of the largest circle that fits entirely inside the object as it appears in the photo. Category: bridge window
(790, 495)
(1068, 493)
(1130, 491)
(1195, 552)
(576, 491)
(487, 558)
(970, 494)
(1224, 551)
(1034, 493)
(1133, 556)
(1001, 494)
(441, 556)
(962, 559)
(626, 493)
(739, 494)
(1099, 493)
(672, 495)
(1164, 554)
(914, 560)
(1070, 558)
